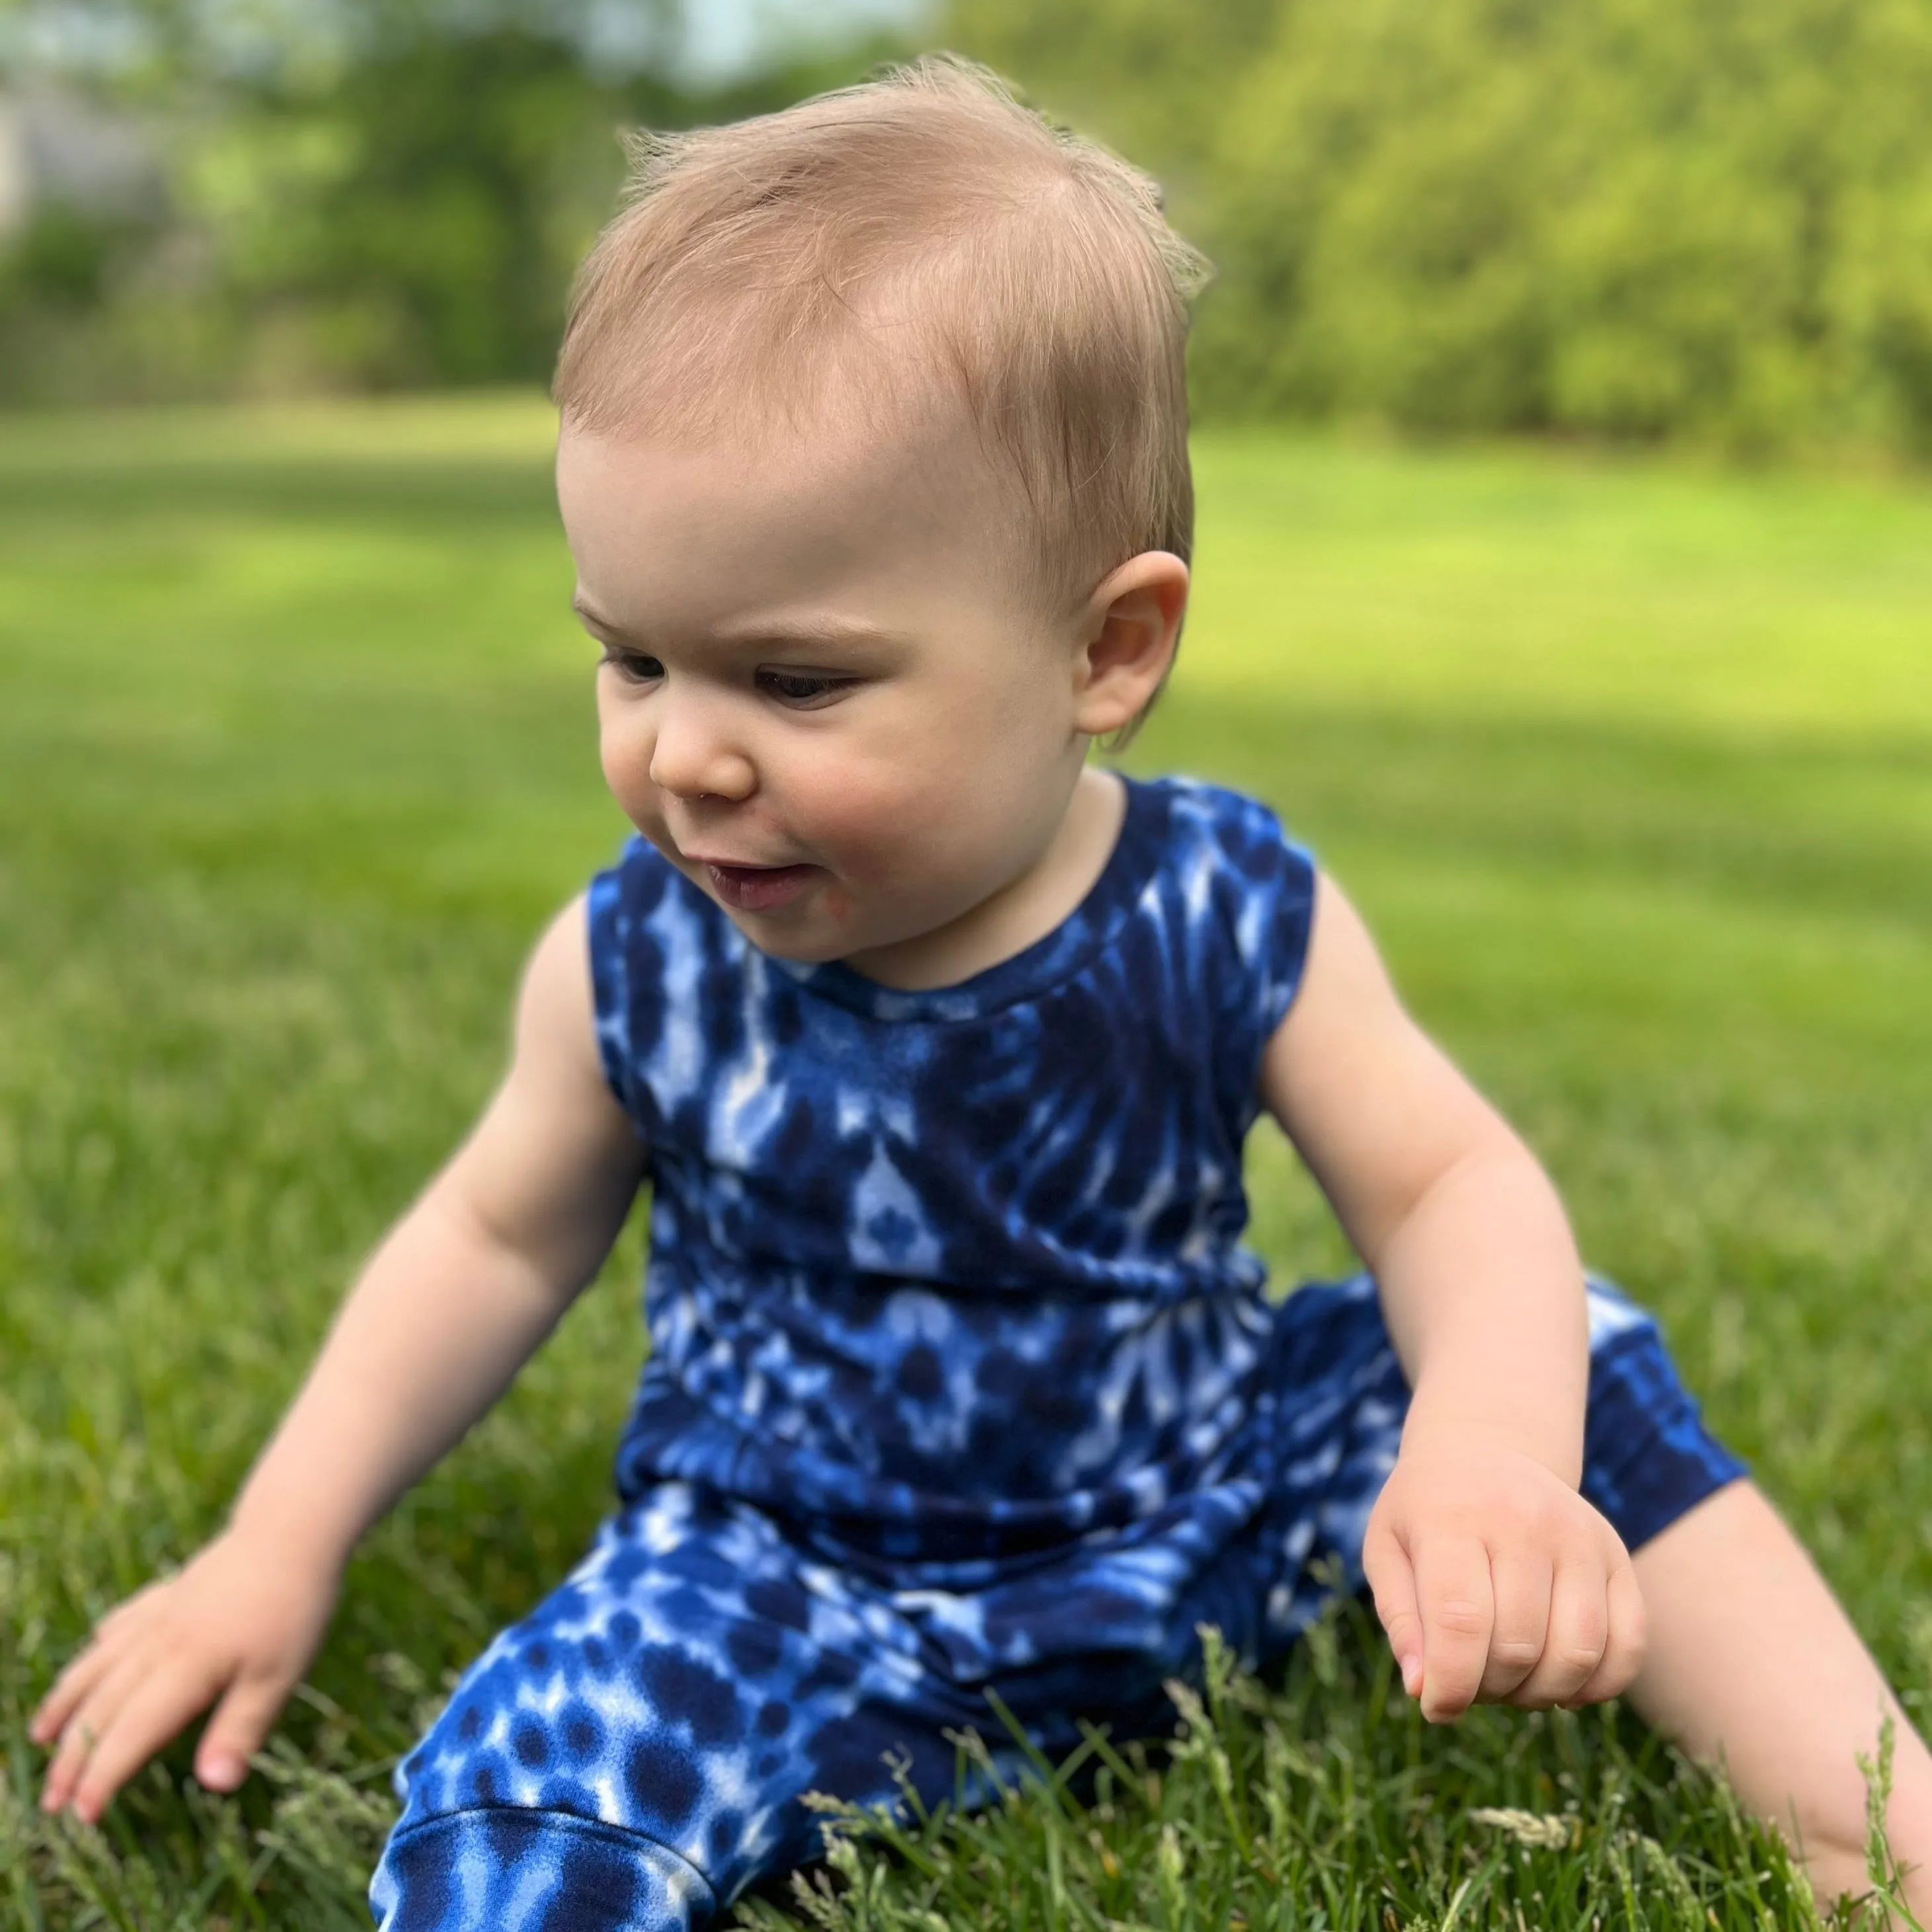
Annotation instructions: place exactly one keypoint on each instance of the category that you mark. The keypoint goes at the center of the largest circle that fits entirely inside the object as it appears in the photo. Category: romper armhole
(1284, 910)
(1236, 856)
(627, 917)
(609, 982)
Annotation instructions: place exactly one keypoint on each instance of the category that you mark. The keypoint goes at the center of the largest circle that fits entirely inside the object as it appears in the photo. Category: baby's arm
(457, 1297)
(1493, 1577)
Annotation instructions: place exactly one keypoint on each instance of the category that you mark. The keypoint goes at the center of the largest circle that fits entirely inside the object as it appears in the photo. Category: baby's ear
(1132, 624)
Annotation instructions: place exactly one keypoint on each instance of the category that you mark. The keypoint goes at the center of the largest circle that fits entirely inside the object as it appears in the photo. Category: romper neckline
(1053, 957)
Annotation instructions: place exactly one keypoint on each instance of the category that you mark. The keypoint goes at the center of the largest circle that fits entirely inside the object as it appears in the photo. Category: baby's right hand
(240, 1623)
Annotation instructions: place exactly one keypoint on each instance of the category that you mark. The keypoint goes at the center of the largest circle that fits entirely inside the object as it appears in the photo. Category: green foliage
(1155, 83)
(1630, 218)
(422, 214)
(400, 203)
(1708, 220)
(1627, 767)
(63, 258)
(72, 307)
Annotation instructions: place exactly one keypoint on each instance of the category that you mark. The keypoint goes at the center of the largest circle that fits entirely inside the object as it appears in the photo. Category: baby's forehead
(776, 511)
(870, 445)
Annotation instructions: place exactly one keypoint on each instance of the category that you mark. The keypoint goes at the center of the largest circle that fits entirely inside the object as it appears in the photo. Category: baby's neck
(1027, 908)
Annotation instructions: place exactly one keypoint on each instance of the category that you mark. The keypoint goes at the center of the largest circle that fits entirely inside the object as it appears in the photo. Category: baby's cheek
(626, 765)
(875, 830)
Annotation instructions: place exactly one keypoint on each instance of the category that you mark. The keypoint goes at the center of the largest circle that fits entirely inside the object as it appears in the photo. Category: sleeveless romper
(960, 1380)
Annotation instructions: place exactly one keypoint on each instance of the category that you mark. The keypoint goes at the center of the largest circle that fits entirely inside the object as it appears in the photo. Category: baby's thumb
(241, 1721)
(1392, 1578)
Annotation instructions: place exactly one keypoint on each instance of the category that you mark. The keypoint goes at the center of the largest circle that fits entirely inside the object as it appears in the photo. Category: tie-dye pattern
(960, 1380)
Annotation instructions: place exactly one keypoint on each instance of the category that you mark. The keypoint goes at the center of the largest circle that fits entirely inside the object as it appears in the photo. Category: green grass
(1630, 768)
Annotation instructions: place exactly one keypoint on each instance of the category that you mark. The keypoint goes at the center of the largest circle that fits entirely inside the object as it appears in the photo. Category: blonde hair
(920, 232)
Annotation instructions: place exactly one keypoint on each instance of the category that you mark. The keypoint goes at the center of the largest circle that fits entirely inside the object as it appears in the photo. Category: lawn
(1631, 768)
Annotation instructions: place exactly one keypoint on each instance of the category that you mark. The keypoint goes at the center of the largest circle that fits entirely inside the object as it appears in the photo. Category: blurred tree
(371, 193)
(1706, 218)
(415, 219)
(1138, 73)
(1709, 219)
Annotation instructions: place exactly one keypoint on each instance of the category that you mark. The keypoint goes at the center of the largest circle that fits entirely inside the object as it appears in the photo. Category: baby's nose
(691, 761)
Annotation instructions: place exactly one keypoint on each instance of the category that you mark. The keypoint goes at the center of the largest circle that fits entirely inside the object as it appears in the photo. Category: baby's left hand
(1497, 1582)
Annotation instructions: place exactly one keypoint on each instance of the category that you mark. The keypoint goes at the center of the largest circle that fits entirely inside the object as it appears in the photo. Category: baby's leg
(1751, 1657)
(631, 1755)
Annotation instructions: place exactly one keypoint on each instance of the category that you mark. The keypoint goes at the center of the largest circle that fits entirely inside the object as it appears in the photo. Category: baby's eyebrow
(805, 630)
(582, 607)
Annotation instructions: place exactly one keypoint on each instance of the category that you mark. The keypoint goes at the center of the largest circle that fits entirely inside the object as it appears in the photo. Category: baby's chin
(805, 940)
(772, 937)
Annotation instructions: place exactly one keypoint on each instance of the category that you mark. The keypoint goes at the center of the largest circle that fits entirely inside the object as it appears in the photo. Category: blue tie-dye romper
(960, 1379)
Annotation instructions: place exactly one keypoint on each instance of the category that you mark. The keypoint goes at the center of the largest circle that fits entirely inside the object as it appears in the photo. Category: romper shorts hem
(1647, 1458)
(574, 1875)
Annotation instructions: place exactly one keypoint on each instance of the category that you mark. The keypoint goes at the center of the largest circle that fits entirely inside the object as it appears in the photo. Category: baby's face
(823, 697)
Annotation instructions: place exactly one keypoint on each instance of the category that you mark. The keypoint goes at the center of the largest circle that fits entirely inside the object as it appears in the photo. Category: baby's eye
(633, 667)
(805, 690)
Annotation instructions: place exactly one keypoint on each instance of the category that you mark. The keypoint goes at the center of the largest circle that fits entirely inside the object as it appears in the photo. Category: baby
(937, 1044)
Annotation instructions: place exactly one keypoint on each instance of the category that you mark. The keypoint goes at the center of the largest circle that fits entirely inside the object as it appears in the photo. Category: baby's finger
(108, 1641)
(241, 1721)
(1392, 1579)
(88, 1723)
(1624, 1650)
(70, 1687)
(1521, 1583)
(1578, 1630)
(1453, 1590)
(153, 1711)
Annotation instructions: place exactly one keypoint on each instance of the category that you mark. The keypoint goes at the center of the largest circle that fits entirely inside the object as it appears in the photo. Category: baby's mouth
(758, 888)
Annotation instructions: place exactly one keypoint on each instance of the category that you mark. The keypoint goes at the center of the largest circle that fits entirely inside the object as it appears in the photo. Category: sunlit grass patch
(1630, 769)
